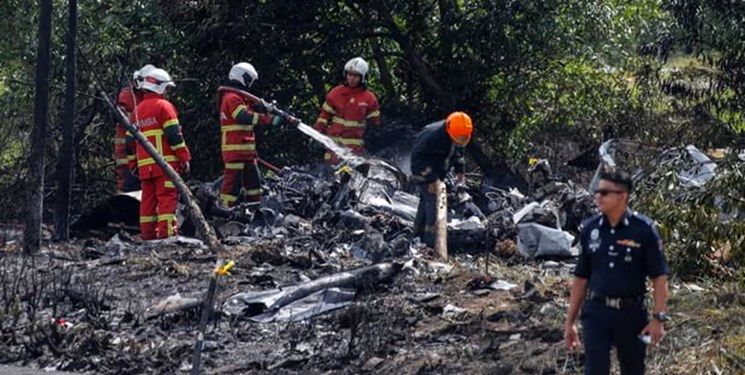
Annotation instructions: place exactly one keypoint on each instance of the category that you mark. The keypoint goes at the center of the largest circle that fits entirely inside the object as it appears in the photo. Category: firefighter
(437, 148)
(238, 116)
(347, 110)
(157, 119)
(125, 178)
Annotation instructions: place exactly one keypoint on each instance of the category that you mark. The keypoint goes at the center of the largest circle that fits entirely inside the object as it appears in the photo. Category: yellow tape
(224, 270)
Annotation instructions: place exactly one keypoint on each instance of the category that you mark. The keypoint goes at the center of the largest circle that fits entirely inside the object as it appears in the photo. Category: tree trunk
(385, 72)
(67, 154)
(426, 78)
(35, 180)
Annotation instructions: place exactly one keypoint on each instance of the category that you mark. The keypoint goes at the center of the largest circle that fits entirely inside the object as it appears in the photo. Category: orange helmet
(459, 127)
(126, 99)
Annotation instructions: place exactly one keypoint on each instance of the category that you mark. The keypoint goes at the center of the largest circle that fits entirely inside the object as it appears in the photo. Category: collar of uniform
(624, 221)
(151, 95)
(348, 90)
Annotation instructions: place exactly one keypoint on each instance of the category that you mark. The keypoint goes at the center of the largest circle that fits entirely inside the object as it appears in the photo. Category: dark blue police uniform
(617, 261)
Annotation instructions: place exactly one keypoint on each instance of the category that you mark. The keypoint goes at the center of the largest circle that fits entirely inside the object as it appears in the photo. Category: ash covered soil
(432, 317)
(109, 303)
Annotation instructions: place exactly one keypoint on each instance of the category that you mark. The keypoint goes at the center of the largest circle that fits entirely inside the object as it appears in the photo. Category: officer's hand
(656, 330)
(432, 187)
(571, 337)
(461, 177)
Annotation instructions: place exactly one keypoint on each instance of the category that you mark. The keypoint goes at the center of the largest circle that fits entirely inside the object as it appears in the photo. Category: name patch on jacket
(629, 243)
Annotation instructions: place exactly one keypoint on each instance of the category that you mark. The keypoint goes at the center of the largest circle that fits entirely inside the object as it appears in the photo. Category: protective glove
(185, 167)
(259, 107)
(277, 120)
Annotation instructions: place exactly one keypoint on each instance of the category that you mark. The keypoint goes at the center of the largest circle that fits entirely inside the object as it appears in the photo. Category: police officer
(620, 249)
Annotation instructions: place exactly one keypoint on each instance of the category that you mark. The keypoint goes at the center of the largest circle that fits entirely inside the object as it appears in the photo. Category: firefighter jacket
(237, 138)
(157, 119)
(344, 115)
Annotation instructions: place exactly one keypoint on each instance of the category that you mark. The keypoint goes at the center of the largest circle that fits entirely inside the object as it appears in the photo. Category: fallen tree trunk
(204, 230)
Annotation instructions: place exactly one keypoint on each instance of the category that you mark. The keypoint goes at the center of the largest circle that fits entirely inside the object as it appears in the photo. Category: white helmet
(156, 80)
(139, 75)
(244, 73)
(357, 65)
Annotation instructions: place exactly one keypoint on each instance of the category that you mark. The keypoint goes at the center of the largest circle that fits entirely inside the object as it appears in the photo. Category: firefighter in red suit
(124, 153)
(348, 109)
(238, 117)
(157, 119)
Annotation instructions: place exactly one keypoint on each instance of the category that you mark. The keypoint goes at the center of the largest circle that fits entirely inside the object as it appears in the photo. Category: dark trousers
(426, 215)
(604, 326)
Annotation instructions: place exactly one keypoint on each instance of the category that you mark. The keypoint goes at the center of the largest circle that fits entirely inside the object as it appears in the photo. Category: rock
(515, 337)
(452, 312)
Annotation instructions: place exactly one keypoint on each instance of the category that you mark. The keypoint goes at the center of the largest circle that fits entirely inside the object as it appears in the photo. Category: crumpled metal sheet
(536, 240)
(316, 304)
(702, 170)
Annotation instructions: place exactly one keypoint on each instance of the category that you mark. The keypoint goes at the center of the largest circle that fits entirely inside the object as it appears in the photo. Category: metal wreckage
(328, 276)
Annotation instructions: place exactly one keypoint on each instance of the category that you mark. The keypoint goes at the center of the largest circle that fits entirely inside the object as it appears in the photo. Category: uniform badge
(595, 234)
(594, 240)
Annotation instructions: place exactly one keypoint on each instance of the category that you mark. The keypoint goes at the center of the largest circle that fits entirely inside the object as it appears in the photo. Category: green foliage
(703, 228)
(537, 76)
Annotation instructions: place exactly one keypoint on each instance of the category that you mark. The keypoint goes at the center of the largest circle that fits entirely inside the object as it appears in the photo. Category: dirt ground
(432, 318)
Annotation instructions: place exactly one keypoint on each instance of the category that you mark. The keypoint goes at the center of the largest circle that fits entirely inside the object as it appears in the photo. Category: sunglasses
(605, 192)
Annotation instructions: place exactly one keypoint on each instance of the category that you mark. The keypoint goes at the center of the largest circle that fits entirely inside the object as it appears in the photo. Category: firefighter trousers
(158, 208)
(240, 177)
(426, 215)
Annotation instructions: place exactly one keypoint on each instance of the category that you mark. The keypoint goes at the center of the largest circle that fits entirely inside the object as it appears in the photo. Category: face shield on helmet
(139, 76)
(157, 80)
(243, 73)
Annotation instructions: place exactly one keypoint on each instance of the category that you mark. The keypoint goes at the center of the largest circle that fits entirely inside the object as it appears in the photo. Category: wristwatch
(661, 316)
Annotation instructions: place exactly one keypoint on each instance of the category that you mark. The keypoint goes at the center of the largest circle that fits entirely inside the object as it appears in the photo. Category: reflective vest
(345, 114)
(237, 140)
(157, 119)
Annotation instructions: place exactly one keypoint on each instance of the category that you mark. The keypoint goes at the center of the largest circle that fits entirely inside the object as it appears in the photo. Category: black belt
(617, 303)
